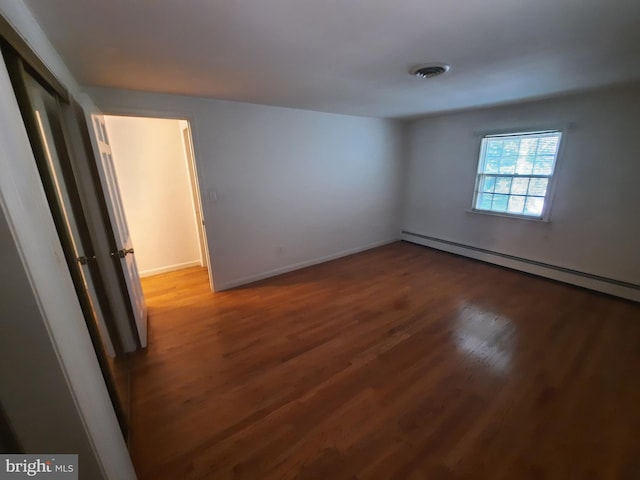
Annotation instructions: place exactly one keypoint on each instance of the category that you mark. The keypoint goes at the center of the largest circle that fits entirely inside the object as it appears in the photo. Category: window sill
(509, 215)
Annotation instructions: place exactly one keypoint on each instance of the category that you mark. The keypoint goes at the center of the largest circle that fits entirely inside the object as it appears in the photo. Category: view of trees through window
(514, 172)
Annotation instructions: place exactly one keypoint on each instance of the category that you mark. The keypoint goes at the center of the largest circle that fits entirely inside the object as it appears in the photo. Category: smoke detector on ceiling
(429, 70)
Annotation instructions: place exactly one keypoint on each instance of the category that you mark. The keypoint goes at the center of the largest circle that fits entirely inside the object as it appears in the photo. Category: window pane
(543, 165)
(548, 145)
(516, 204)
(503, 184)
(494, 147)
(533, 206)
(484, 201)
(538, 186)
(511, 147)
(519, 186)
(500, 203)
(487, 184)
(524, 165)
(492, 165)
(508, 165)
(528, 146)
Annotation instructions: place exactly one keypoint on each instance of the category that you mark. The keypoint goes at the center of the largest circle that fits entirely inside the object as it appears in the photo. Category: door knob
(122, 252)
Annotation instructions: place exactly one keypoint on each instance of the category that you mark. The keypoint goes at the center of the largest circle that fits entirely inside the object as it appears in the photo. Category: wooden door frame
(196, 195)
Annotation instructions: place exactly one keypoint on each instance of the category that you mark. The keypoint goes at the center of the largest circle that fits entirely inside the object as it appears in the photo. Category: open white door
(120, 229)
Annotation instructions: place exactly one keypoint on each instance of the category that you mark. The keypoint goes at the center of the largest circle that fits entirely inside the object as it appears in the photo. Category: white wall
(595, 221)
(152, 172)
(293, 187)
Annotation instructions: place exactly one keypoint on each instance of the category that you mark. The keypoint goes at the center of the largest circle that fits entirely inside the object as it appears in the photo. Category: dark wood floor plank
(397, 363)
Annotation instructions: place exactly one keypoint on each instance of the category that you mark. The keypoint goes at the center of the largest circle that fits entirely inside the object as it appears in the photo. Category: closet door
(41, 111)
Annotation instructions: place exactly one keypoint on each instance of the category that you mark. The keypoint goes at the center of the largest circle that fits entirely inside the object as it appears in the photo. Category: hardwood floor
(397, 363)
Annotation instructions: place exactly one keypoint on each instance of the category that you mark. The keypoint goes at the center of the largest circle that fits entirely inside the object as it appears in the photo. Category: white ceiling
(348, 56)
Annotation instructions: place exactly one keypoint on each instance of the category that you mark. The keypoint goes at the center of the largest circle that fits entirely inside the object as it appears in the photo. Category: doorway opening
(156, 172)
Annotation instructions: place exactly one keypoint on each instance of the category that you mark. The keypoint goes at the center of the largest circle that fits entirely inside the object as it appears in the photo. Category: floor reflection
(486, 337)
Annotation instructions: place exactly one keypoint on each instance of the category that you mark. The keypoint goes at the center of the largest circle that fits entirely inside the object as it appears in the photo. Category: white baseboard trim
(170, 268)
(617, 288)
(299, 265)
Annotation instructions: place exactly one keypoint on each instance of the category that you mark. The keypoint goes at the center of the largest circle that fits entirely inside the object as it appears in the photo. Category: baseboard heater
(629, 291)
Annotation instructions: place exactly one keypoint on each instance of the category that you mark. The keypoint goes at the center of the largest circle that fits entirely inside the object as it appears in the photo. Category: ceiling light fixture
(429, 70)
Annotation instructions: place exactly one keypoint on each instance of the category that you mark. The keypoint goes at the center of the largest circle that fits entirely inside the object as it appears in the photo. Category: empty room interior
(320, 240)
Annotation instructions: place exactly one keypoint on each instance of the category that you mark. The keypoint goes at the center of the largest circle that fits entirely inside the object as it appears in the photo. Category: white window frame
(544, 217)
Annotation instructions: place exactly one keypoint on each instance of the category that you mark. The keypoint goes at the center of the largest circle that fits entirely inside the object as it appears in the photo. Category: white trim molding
(629, 291)
(169, 268)
(297, 266)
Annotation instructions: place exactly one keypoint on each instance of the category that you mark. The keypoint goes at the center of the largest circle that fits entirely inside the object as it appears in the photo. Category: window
(515, 171)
